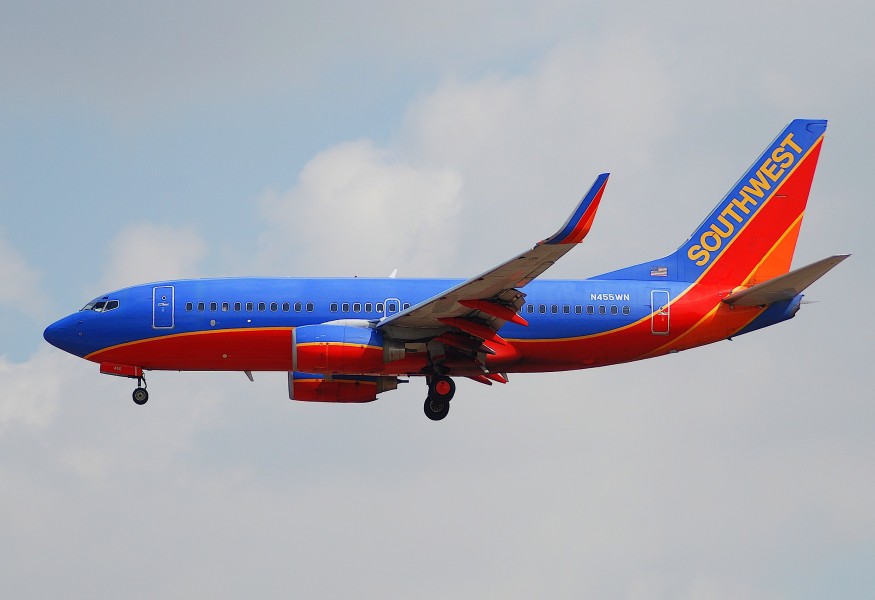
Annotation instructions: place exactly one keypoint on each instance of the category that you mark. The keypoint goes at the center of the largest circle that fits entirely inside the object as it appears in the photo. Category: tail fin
(751, 235)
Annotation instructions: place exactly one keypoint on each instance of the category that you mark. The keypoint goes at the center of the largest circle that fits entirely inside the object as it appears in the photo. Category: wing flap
(784, 287)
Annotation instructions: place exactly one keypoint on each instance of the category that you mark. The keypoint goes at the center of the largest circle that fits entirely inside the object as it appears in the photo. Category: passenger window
(578, 309)
(554, 309)
(379, 307)
(286, 307)
(601, 310)
(357, 307)
(274, 306)
(626, 310)
(262, 306)
(333, 307)
(225, 307)
(542, 308)
(614, 310)
(237, 306)
(530, 308)
(249, 306)
(369, 307)
(405, 306)
(566, 309)
(214, 307)
(392, 307)
(345, 307)
(297, 307)
(189, 306)
(589, 309)
(201, 306)
(310, 307)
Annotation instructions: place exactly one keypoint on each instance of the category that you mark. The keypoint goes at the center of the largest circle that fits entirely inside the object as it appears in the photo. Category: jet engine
(330, 349)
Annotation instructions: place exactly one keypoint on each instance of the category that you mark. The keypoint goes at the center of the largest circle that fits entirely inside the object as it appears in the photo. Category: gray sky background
(142, 142)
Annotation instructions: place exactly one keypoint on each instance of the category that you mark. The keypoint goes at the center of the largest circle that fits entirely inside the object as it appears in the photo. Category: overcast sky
(144, 141)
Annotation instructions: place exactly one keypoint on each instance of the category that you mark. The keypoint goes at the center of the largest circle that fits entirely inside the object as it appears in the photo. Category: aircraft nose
(54, 333)
(62, 334)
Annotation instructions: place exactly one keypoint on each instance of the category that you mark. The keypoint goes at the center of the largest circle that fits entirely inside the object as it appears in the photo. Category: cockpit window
(101, 305)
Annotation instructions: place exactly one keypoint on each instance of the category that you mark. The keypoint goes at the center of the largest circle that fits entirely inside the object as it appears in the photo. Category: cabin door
(659, 315)
(162, 307)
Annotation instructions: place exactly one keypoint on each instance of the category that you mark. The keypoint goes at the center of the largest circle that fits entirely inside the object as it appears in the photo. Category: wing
(475, 309)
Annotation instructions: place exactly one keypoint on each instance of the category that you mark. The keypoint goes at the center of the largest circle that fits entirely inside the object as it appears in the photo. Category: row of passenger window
(368, 307)
(355, 307)
(578, 309)
(251, 306)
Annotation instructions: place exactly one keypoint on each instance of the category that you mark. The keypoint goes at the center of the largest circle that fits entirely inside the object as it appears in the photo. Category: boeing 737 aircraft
(348, 340)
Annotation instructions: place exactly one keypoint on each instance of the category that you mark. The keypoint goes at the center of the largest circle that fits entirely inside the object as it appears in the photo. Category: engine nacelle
(342, 349)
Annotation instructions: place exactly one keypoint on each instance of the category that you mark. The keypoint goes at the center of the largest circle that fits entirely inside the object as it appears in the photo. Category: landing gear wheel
(436, 408)
(441, 387)
(140, 395)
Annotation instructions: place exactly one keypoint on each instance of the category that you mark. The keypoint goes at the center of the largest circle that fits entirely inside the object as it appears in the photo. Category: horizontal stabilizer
(784, 287)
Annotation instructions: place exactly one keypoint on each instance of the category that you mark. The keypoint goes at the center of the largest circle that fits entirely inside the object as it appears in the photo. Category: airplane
(350, 339)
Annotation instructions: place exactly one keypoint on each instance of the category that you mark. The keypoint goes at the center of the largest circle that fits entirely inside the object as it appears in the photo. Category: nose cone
(64, 334)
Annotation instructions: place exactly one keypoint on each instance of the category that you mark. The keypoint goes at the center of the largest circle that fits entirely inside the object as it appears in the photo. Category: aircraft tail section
(751, 235)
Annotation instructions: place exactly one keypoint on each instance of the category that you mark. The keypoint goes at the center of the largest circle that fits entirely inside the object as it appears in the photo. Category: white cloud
(586, 99)
(360, 210)
(598, 491)
(529, 145)
(526, 148)
(149, 252)
(31, 389)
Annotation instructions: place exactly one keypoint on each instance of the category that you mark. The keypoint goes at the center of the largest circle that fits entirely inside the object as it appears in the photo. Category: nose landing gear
(440, 391)
(140, 395)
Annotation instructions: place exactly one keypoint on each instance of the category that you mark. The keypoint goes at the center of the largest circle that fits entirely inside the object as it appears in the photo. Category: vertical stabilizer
(751, 235)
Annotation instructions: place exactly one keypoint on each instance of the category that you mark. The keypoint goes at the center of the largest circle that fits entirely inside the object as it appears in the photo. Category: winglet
(580, 221)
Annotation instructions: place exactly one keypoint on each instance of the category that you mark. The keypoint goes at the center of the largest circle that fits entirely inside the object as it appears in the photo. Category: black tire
(140, 396)
(436, 408)
(441, 387)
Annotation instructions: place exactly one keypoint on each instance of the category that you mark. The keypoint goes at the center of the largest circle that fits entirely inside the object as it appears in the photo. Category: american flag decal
(659, 272)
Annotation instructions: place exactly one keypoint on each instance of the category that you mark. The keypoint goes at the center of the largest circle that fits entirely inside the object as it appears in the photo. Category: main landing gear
(440, 391)
(140, 395)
